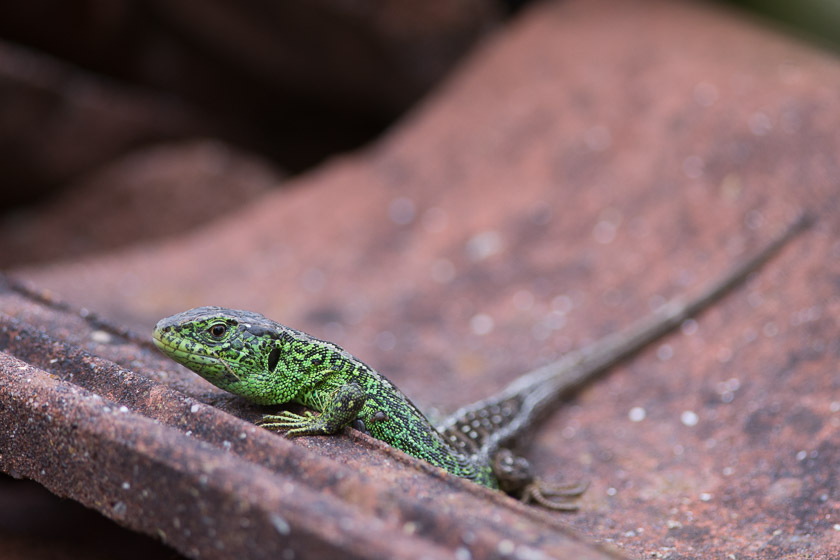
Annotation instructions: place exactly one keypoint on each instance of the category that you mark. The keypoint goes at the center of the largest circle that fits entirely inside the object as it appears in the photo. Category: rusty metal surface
(157, 187)
(593, 159)
(38, 525)
(166, 462)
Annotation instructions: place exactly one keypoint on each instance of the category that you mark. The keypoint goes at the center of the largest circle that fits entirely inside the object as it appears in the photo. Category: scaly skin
(251, 356)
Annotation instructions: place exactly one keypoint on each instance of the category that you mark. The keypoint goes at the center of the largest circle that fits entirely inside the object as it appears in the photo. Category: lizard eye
(218, 330)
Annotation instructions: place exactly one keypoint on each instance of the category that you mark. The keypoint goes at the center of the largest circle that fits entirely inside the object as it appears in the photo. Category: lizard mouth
(207, 364)
(181, 354)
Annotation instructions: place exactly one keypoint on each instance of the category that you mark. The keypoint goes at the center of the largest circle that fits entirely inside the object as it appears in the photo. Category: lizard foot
(306, 424)
(339, 410)
(516, 477)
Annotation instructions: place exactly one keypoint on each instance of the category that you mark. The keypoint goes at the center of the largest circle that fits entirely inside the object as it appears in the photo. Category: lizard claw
(516, 477)
(558, 497)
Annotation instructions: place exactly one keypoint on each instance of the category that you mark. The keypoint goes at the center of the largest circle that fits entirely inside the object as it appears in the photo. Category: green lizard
(246, 354)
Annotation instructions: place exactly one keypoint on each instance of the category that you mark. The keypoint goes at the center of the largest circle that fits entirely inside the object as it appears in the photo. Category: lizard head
(234, 350)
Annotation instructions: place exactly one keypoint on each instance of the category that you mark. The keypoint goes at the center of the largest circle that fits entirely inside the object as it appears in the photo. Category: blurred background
(123, 121)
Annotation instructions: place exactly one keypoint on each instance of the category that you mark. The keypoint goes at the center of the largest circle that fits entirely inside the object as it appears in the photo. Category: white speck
(126, 486)
(462, 553)
(385, 340)
(561, 304)
(104, 408)
(637, 414)
(597, 138)
(705, 94)
(484, 245)
(693, 167)
(611, 491)
(689, 418)
(727, 471)
(801, 455)
(123, 409)
(604, 232)
(101, 337)
(409, 528)
(280, 524)
(555, 321)
(120, 508)
(402, 210)
(834, 406)
(434, 220)
(481, 324)
(673, 524)
(705, 497)
(195, 408)
(665, 352)
(226, 445)
(836, 527)
(505, 547)
(729, 386)
(760, 124)
(770, 329)
(523, 300)
(443, 271)
(630, 533)
(689, 327)
(805, 315)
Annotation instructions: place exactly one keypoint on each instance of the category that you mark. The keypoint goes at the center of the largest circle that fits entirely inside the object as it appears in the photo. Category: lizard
(268, 363)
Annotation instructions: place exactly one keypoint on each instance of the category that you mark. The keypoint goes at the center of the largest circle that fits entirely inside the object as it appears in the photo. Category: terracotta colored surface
(149, 194)
(592, 159)
(151, 449)
(37, 525)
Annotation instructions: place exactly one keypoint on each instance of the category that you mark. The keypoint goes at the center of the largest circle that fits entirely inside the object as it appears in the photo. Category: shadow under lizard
(268, 363)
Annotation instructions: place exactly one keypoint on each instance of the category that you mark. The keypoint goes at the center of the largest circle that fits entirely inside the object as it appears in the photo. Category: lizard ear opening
(273, 358)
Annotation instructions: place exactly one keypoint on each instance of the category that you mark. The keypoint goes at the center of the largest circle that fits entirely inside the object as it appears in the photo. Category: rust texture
(589, 161)
(152, 452)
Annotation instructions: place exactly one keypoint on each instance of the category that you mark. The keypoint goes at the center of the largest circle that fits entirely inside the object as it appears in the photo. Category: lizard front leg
(338, 410)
